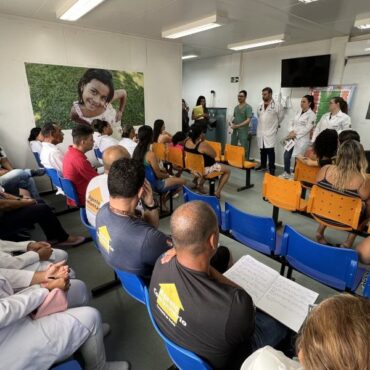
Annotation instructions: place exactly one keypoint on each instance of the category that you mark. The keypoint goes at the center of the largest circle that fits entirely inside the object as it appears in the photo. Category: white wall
(23, 40)
(262, 68)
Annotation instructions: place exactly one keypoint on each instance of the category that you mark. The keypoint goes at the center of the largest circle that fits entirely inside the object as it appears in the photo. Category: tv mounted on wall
(305, 72)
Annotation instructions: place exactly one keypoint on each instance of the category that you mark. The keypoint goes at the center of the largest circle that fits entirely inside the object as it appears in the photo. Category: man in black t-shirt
(128, 240)
(198, 308)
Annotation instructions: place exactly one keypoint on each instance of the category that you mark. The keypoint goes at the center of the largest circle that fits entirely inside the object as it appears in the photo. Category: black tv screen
(305, 72)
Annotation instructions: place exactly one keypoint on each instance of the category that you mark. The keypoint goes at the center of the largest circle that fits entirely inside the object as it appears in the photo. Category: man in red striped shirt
(76, 166)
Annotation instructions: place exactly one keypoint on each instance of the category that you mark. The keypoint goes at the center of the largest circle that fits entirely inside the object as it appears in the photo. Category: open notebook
(272, 293)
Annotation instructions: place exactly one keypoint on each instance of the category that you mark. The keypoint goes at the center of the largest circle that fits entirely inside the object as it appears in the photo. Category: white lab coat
(302, 125)
(268, 123)
(27, 344)
(29, 260)
(338, 122)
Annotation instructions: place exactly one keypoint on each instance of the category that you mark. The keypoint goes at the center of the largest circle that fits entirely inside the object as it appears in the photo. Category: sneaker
(260, 169)
(286, 175)
(38, 172)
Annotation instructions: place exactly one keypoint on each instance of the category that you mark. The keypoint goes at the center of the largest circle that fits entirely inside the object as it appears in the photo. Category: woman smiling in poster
(95, 95)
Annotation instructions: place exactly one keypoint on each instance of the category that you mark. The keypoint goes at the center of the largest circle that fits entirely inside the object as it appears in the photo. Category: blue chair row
(68, 365)
(335, 267)
(98, 153)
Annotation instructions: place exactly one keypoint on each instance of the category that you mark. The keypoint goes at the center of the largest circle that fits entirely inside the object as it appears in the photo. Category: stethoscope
(272, 105)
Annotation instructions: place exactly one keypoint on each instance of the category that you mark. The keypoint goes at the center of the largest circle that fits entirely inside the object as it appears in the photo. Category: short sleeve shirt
(129, 244)
(2, 155)
(241, 114)
(211, 319)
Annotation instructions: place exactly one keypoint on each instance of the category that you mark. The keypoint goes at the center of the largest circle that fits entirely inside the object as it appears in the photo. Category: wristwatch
(150, 208)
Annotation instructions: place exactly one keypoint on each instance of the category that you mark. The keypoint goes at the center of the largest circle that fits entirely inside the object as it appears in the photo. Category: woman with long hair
(144, 153)
(347, 176)
(160, 135)
(299, 131)
(337, 118)
(200, 112)
(35, 139)
(196, 144)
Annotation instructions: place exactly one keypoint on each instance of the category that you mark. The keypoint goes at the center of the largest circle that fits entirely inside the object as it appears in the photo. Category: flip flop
(78, 241)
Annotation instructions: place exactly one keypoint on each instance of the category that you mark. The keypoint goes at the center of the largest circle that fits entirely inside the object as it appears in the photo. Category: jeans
(240, 135)
(270, 153)
(15, 179)
(287, 158)
(268, 332)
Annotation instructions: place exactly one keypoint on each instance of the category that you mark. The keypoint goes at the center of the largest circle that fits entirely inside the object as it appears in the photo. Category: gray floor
(132, 337)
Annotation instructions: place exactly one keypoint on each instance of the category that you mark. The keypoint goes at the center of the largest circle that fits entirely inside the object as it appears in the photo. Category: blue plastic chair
(181, 357)
(54, 177)
(133, 285)
(37, 158)
(211, 200)
(98, 153)
(69, 190)
(256, 232)
(91, 229)
(69, 365)
(335, 267)
(366, 292)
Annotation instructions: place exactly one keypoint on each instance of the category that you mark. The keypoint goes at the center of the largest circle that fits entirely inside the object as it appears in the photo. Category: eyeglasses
(240, 96)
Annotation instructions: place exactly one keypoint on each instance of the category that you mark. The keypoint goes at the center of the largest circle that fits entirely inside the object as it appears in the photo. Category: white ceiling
(248, 19)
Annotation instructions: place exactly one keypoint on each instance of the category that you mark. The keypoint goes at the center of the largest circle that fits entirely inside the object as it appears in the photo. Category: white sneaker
(117, 365)
(286, 176)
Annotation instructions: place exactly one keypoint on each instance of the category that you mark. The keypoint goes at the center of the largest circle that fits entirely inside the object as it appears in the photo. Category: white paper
(276, 295)
(289, 145)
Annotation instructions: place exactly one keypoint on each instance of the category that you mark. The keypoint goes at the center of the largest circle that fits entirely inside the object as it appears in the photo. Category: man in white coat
(270, 114)
(27, 344)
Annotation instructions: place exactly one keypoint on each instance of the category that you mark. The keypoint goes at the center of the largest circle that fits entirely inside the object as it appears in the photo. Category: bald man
(97, 193)
(198, 308)
(363, 250)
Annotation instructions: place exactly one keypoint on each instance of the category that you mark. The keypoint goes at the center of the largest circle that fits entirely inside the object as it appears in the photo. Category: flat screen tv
(305, 72)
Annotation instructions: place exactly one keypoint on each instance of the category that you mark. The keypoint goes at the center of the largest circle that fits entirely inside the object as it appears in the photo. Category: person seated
(324, 150)
(97, 193)
(144, 154)
(128, 240)
(178, 140)
(51, 155)
(35, 140)
(160, 135)
(18, 181)
(76, 166)
(40, 343)
(128, 142)
(105, 139)
(17, 214)
(200, 309)
(348, 135)
(29, 255)
(347, 176)
(363, 249)
(334, 336)
(196, 144)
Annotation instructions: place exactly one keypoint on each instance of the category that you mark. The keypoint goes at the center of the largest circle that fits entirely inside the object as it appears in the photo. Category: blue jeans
(15, 179)
(287, 158)
(268, 332)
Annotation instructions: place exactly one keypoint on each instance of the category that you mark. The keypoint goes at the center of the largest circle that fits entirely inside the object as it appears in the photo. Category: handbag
(55, 301)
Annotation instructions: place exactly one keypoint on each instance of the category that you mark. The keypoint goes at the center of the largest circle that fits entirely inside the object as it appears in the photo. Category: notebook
(198, 110)
(281, 298)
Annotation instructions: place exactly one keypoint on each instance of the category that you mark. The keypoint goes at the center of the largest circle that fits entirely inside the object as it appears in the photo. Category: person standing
(240, 123)
(299, 131)
(185, 117)
(270, 114)
(200, 112)
(336, 119)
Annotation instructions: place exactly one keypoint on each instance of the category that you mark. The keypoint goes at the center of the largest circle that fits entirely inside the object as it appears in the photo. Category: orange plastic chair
(235, 157)
(334, 210)
(175, 156)
(282, 193)
(195, 164)
(218, 149)
(305, 174)
(160, 151)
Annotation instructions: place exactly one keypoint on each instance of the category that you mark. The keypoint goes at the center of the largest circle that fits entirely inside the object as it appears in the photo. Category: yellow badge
(94, 200)
(169, 301)
(104, 238)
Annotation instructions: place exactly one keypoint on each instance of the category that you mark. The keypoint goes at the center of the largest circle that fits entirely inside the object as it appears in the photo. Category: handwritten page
(276, 295)
(253, 276)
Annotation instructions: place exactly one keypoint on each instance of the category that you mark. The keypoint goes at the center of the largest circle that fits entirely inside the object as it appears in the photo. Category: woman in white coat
(27, 344)
(299, 130)
(336, 119)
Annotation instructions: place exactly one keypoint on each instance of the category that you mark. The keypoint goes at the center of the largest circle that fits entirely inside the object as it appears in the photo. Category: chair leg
(103, 288)
(303, 194)
(212, 187)
(248, 184)
(289, 274)
(275, 216)
(282, 268)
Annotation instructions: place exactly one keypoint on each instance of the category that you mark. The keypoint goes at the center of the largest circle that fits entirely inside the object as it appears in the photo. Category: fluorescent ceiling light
(271, 40)
(199, 25)
(190, 56)
(367, 49)
(75, 9)
(363, 23)
(307, 1)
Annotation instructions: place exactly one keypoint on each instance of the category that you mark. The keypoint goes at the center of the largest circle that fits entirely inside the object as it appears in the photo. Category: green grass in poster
(53, 89)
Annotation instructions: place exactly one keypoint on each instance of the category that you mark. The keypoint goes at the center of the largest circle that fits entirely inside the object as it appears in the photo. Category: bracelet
(150, 208)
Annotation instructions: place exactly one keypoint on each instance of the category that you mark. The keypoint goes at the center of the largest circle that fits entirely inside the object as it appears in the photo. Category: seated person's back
(202, 312)
(51, 156)
(128, 240)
